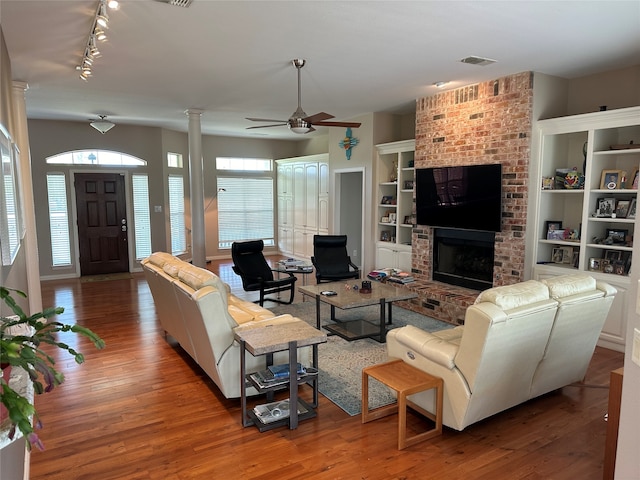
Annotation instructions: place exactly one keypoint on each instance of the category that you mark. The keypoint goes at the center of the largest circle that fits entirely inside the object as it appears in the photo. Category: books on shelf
(274, 411)
(282, 370)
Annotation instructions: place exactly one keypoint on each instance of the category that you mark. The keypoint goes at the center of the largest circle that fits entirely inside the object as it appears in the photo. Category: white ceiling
(232, 59)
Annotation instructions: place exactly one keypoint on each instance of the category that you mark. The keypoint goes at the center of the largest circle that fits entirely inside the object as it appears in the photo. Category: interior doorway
(102, 223)
(348, 215)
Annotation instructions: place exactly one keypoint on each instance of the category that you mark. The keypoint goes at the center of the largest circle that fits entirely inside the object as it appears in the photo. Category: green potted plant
(21, 340)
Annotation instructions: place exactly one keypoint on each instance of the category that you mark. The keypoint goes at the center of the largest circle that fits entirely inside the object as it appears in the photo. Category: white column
(196, 184)
(30, 241)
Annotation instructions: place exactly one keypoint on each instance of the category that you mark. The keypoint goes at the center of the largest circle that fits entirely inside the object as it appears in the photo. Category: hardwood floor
(141, 409)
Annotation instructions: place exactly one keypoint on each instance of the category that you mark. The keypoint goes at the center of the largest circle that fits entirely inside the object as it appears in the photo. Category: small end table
(405, 380)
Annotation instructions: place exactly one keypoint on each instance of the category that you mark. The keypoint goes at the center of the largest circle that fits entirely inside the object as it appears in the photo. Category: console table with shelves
(267, 340)
(395, 176)
(598, 215)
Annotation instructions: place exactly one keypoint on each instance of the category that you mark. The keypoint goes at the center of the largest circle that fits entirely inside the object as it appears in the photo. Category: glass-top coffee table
(381, 294)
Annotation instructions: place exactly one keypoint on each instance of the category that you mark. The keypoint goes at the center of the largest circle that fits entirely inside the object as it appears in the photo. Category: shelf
(583, 142)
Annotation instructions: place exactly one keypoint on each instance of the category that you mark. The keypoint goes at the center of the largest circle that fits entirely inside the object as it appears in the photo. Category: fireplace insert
(463, 258)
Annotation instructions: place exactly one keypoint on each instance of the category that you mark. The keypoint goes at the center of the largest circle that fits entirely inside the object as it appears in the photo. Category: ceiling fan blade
(337, 124)
(318, 117)
(264, 120)
(267, 126)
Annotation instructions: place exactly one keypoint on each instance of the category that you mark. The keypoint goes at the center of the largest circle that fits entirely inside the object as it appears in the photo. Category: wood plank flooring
(141, 409)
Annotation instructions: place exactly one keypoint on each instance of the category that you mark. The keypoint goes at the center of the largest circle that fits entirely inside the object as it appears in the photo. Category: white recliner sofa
(196, 308)
(518, 342)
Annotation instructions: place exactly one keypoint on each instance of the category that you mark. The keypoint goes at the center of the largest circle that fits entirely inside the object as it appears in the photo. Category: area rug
(340, 362)
(106, 277)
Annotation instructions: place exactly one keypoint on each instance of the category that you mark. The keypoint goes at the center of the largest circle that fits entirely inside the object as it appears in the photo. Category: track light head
(102, 18)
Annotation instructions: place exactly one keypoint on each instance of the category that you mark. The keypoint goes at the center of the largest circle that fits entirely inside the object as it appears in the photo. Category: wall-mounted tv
(466, 197)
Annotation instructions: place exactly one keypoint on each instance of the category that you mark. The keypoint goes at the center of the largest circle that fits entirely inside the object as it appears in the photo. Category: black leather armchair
(330, 259)
(257, 275)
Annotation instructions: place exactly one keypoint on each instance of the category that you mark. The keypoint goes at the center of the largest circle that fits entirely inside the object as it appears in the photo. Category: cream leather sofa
(196, 308)
(518, 342)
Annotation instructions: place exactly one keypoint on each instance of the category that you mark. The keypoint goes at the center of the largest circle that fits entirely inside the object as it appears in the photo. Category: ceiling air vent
(177, 3)
(478, 61)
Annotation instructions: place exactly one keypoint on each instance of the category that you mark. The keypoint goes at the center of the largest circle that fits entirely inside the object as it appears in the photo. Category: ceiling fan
(299, 122)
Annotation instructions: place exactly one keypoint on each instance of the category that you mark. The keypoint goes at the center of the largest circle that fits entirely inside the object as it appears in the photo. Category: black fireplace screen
(464, 258)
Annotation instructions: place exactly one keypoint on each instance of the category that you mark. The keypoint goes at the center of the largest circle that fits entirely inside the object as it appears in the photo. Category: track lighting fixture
(97, 34)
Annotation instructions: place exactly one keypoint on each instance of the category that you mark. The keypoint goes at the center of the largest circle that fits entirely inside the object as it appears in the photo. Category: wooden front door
(102, 223)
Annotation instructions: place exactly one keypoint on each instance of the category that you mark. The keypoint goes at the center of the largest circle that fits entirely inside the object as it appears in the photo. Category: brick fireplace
(489, 122)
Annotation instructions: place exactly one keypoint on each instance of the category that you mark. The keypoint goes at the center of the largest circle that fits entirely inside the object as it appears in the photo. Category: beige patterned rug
(341, 362)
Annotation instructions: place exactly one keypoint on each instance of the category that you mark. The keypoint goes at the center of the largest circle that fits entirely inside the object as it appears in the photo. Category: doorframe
(335, 224)
(74, 214)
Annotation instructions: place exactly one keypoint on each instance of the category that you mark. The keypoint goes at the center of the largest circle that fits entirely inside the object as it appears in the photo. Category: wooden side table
(405, 380)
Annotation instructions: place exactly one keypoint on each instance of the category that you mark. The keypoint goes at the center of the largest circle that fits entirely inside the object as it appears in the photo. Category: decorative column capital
(194, 111)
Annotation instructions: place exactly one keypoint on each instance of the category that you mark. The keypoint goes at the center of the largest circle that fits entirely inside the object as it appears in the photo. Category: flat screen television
(466, 197)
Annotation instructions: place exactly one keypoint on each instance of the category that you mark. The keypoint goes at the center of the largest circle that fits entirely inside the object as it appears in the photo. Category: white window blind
(245, 210)
(58, 219)
(9, 229)
(176, 215)
(141, 216)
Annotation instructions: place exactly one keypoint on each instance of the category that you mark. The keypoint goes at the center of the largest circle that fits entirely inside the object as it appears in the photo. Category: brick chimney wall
(489, 122)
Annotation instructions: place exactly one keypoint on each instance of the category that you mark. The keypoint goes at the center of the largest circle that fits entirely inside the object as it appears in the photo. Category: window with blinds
(176, 215)
(58, 220)
(141, 216)
(9, 216)
(245, 210)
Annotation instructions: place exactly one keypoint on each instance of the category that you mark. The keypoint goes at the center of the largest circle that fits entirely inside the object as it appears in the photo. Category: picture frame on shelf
(576, 258)
(555, 235)
(622, 208)
(384, 219)
(595, 264)
(607, 266)
(408, 184)
(610, 179)
(626, 259)
(619, 268)
(632, 209)
(617, 236)
(551, 225)
(557, 254)
(635, 177)
(386, 200)
(385, 236)
(392, 218)
(606, 207)
(612, 255)
(547, 183)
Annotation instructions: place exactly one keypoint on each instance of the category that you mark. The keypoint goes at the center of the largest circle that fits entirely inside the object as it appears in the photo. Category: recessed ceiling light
(440, 84)
(473, 60)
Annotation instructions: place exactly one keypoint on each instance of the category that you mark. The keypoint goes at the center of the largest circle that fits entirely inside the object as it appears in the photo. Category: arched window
(95, 157)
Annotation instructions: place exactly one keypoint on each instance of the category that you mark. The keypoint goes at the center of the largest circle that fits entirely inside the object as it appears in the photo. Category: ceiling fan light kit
(300, 122)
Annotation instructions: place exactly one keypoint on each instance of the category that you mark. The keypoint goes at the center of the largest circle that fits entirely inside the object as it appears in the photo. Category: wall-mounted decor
(348, 142)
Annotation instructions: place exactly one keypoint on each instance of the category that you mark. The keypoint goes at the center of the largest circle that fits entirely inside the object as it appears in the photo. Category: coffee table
(381, 294)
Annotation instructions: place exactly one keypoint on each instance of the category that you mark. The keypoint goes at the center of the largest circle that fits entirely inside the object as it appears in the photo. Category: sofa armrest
(427, 345)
